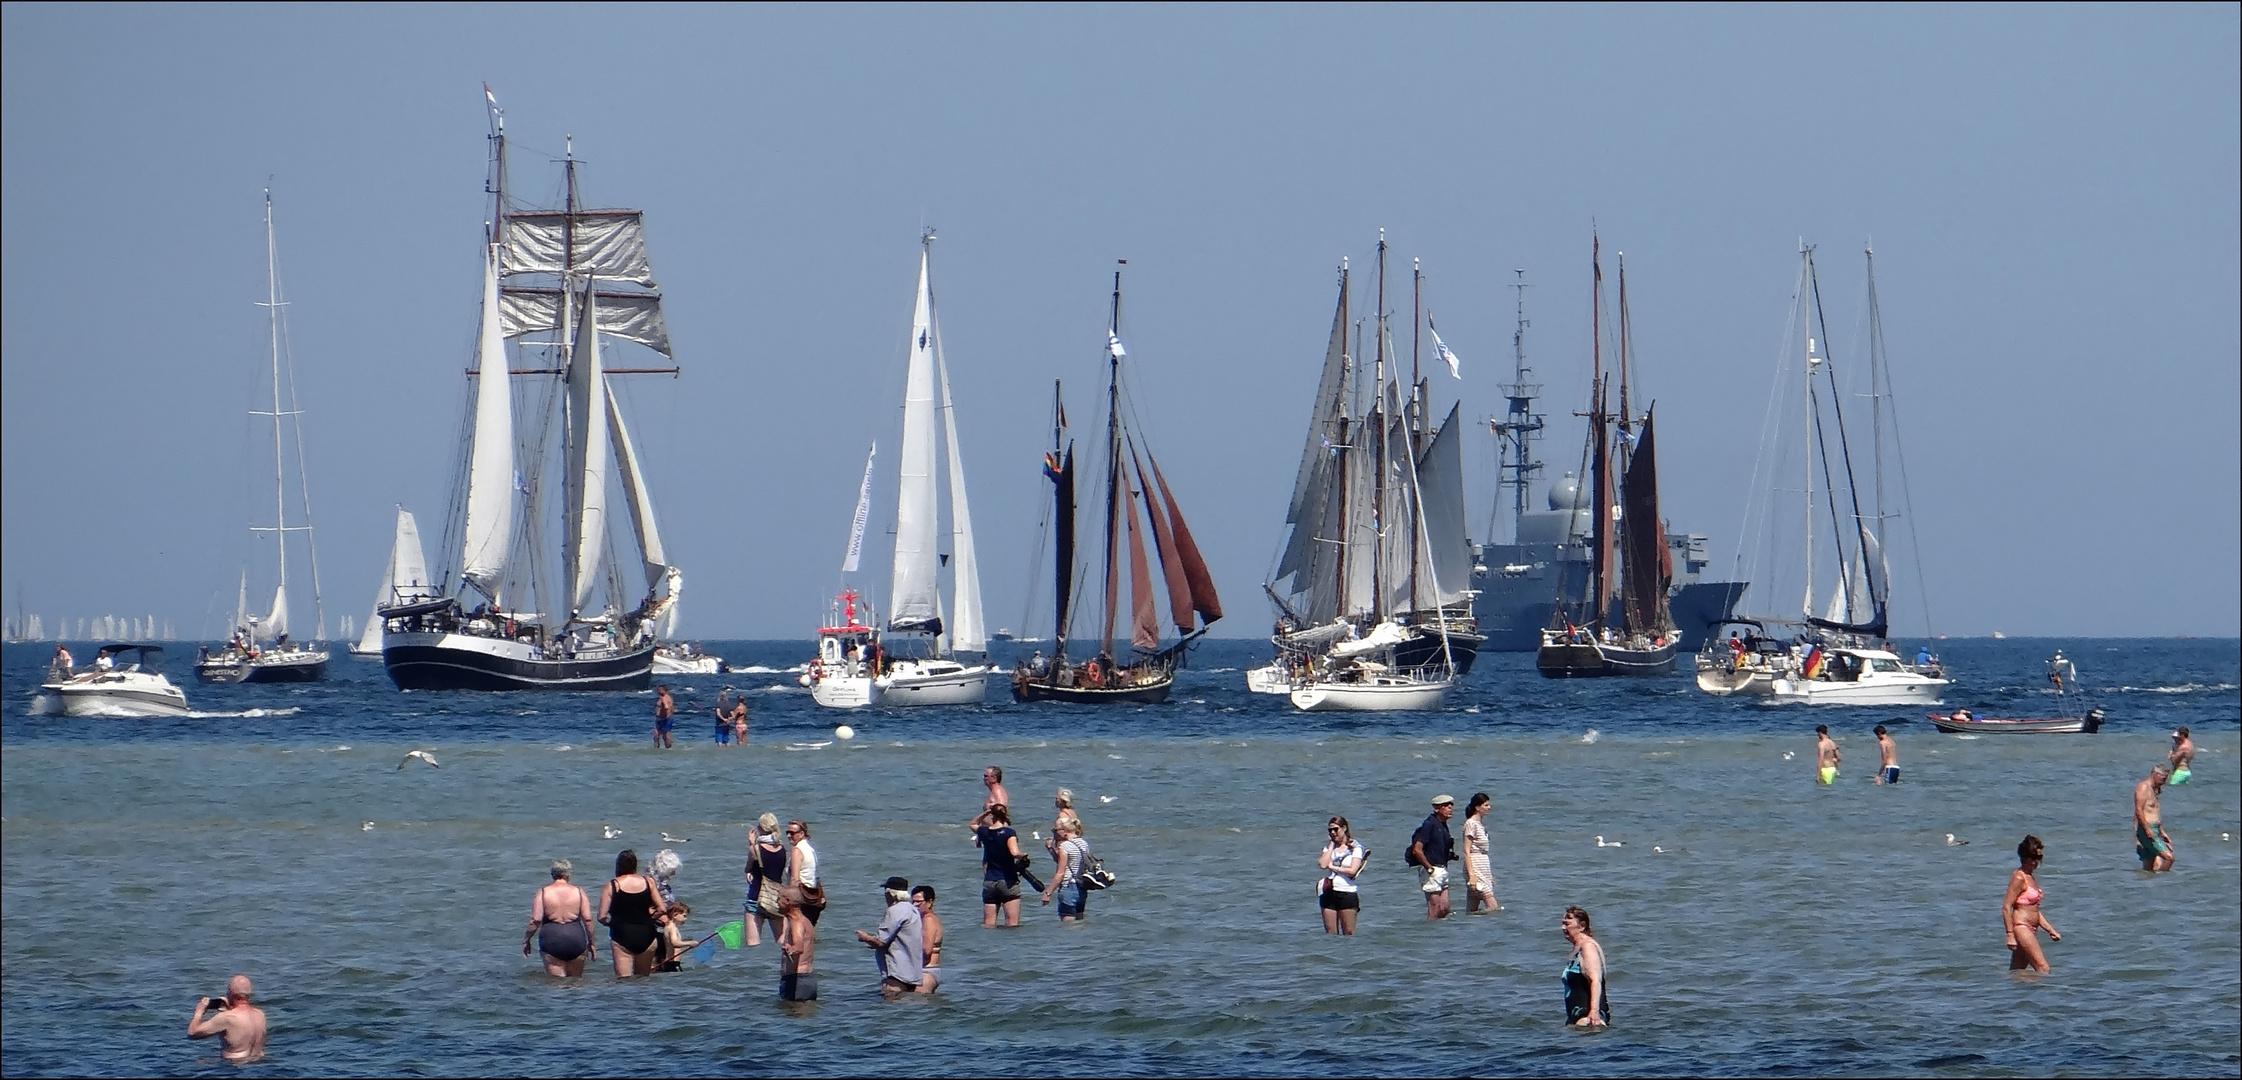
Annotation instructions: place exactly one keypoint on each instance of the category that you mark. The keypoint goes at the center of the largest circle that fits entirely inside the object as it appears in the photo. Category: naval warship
(1548, 559)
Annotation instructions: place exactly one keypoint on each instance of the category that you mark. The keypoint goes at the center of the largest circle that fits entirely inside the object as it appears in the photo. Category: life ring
(1093, 673)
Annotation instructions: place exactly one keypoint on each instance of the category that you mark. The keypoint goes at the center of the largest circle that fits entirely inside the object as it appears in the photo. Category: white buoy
(844, 733)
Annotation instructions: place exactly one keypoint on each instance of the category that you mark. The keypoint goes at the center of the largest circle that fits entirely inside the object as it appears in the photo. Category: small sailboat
(914, 659)
(1132, 474)
(404, 581)
(259, 650)
(112, 687)
(563, 283)
(1632, 560)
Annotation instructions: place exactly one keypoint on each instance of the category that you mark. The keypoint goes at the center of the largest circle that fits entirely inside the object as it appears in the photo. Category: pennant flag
(1441, 348)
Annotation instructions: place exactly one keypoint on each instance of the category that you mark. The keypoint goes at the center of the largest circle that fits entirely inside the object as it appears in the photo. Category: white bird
(1787, 755)
(422, 755)
(367, 827)
(609, 832)
(668, 839)
(1951, 841)
(1590, 737)
(1616, 843)
(2226, 836)
(1107, 798)
(1658, 849)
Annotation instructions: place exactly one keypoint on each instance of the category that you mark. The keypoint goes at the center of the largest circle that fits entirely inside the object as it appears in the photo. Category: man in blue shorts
(665, 717)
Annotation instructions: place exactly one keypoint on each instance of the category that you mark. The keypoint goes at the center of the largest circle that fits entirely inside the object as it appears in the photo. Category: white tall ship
(564, 286)
(258, 649)
(915, 659)
(1831, 545)
(404, 581)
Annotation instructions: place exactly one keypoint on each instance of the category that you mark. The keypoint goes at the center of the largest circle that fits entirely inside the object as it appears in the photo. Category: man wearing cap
(1431, 849)
(901, 942)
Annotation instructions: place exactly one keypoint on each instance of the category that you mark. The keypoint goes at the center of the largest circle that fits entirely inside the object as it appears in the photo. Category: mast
(1345, 451)
(1378, 422)
(279, 616)
(1626, 408)
(1113, 478)
(1521, 425)
(1416, 412)
(1600, 450)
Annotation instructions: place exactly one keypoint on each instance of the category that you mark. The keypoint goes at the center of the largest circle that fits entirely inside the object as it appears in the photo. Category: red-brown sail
(1144, 621)
(1163, 542)
(1203, 598)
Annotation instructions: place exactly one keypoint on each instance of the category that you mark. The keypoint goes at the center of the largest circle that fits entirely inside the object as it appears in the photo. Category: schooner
(564, 285)
(1132, 473)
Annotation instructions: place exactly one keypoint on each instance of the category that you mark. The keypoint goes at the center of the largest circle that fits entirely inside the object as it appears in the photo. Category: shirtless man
(2183, 757)
(797, 945)
(665, 715)
(922, 897)
(993, 778)
(1826, 756)
(240, 1024)
(1889, 774)
(2150, 841)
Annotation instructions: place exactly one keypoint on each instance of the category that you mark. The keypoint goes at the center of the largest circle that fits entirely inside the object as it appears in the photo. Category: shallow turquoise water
(1783, 928)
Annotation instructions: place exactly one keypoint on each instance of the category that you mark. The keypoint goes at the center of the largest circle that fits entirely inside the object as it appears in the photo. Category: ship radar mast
(1519, 428)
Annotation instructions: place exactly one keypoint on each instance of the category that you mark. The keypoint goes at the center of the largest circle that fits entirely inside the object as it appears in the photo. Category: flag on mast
(863, 512)
(1441, 348)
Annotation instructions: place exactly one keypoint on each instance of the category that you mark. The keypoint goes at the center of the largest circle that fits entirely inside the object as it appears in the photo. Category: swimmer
(2150, 842)
(1585, 1002)
(237, 1022)
(1337, 894)
(560, 923)
(1889, 774)
(993, 779)
(2183, 757)
(2020, 911)
(1826, 755)
(922, 897)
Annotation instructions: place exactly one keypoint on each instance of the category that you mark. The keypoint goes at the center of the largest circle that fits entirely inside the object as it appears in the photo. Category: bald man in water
(240, 1024)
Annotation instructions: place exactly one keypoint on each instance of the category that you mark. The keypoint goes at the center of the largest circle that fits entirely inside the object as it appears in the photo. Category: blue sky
(2051, 193)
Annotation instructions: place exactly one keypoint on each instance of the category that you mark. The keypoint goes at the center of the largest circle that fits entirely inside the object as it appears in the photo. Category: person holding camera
(238, 1023)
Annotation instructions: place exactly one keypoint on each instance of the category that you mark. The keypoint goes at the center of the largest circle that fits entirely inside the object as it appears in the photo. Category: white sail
(405, 578)
(490, 472)
(863, 513)
(241, 604)
(584, 533)
(968, 628)
(913, 595)
(1440, 476)
(272, 626)
(641, 501)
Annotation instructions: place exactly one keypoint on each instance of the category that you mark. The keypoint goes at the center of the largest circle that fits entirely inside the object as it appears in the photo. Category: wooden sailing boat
(259, 650)
(1581, 641)
(564, 280)
(1149, 672)
(878, 672)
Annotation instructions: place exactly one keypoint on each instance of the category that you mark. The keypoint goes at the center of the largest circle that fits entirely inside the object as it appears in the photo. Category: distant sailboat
(258, 649)
(404, 581)
(856, 664)
(554, 281)
(1149, 673)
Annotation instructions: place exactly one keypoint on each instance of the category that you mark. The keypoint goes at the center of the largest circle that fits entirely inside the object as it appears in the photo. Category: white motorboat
(1269, 679)
(108, 688)
(258, 650)
(685, 658)
(1846, 676)
(854, 667)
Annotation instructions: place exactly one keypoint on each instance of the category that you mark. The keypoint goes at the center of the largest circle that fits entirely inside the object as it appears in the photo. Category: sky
(2050, 191)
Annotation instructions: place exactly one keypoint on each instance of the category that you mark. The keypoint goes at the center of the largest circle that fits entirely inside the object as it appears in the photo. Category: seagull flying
(422, 755)
(1952, 842)
(668, 839)
(367, 827)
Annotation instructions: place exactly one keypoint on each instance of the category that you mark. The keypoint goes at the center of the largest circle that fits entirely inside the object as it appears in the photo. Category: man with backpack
(1431, 849)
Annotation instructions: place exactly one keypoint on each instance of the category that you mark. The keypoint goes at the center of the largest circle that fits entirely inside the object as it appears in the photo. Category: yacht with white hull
(1843, 676)
(560, 283)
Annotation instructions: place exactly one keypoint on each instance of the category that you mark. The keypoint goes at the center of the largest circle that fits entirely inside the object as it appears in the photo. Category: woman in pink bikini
(2021, 916)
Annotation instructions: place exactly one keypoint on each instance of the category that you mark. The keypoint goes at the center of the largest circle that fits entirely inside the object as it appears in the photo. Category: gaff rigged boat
(555, 277)
(1149, 672)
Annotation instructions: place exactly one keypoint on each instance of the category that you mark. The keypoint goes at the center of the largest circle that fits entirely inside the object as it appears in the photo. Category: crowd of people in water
(786, 896)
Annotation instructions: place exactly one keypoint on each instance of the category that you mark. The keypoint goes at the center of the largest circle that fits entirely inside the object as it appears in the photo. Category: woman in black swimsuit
(1585, 1003)
(632, 911)
(560, 922)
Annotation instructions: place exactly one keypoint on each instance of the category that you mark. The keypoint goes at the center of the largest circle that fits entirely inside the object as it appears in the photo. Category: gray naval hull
(1518, 588)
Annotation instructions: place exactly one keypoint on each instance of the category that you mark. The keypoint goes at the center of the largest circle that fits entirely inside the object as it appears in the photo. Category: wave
(2183, 688)
(762, 669)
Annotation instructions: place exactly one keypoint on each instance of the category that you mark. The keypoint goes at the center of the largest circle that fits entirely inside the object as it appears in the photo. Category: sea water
(1754, 922)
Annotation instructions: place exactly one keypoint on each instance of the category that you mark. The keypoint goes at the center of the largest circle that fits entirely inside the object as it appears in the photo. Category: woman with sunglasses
(1343, 858)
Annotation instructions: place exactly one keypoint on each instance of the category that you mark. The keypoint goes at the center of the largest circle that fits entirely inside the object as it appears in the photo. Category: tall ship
(258, 649)
(1548, 559)
(1376, 545)
(561, 286)
(1132, 475)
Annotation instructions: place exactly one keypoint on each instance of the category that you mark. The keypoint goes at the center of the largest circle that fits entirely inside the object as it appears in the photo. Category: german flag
(1051, 464)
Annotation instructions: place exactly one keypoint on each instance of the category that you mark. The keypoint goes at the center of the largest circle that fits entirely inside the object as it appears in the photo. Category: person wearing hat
(900, 941)
(1431, 849)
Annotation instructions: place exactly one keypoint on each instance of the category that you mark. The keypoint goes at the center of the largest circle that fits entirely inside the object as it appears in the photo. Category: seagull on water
(1616, 843)
(422, 755)
(1590, 737)
(1107, 798)
(668, 839)
(1952, 841)
(1787, 755)
(609, 832)
(1658, 849)
(367, 827)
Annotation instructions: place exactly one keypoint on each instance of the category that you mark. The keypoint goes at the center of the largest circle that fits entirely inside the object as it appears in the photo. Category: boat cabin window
(1881, 664)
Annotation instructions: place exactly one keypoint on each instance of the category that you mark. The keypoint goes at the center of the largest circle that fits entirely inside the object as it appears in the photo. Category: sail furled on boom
(1650, 567)
(914, 594)
(490, 471)
(1440, 482)
(584, 533)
